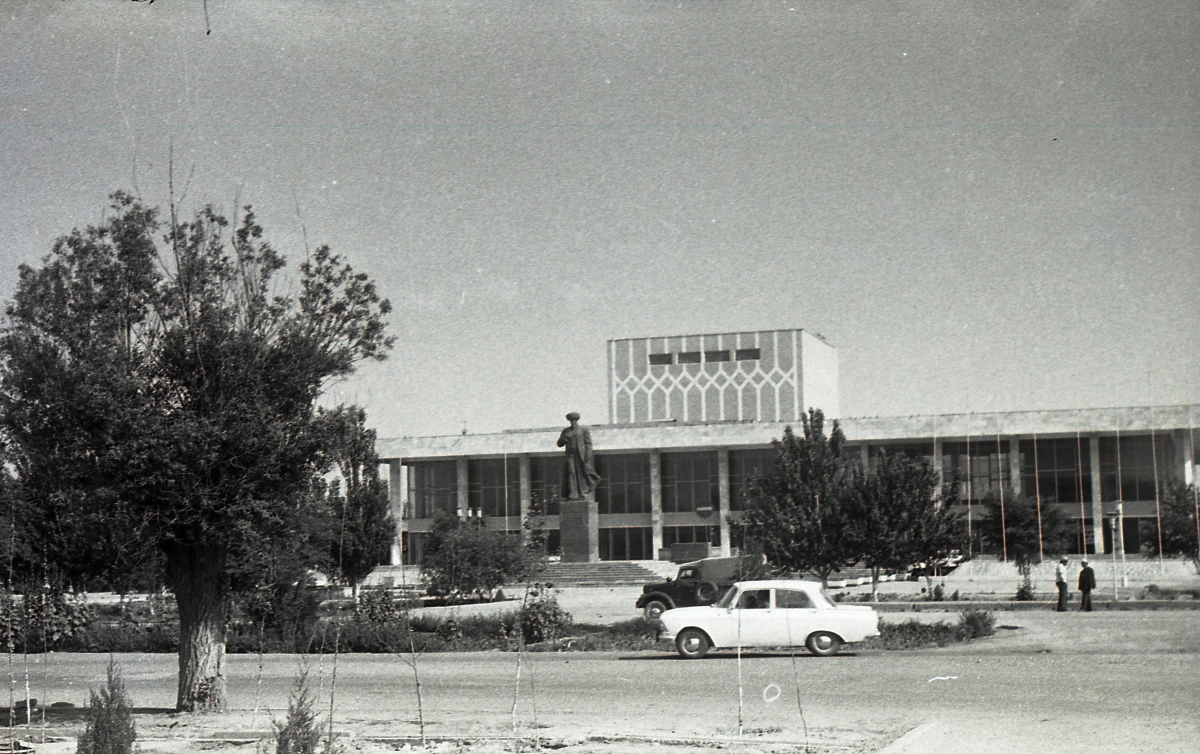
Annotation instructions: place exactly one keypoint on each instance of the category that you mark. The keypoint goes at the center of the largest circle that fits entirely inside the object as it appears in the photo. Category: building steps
(604, 573)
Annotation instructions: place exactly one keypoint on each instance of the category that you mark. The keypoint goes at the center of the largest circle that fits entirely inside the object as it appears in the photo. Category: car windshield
(727, 600)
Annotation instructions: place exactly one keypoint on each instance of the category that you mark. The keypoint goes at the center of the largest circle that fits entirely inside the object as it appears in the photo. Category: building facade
(691, 420)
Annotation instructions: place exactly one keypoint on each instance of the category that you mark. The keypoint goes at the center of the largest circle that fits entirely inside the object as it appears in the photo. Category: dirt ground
(1100, 682)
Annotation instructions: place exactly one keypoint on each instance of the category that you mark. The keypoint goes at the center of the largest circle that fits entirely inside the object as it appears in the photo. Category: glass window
(686, 535)
(689, 481)
(661, 359)
(624, 483)
(755, 599)
(494, 488)
(716, 355)
(977, 467)
(689, 357)
(915, 451)
(1057, 471)
(545, 483)
(749, 354)
(744, 466)
(625, 543)
(432, 488)
(1140, 456)
(412, 545)
(792, 599)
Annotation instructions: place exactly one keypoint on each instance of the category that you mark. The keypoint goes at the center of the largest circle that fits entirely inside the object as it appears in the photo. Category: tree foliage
(463, 557)
(158, 396)
(359, 497)
(797, 510)
(1024, 537)
(1177, 512)
(897, 517)
(110, 728)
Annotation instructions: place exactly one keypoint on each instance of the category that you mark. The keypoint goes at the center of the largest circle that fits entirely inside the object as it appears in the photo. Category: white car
(770, 614)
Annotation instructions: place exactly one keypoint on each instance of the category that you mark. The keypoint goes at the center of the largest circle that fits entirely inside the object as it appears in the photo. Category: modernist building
(691, 419)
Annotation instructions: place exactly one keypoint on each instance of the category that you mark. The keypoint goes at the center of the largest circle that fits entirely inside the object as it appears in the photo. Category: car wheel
(823, 644)
(655, 608)
(691, 643)
(706, 592)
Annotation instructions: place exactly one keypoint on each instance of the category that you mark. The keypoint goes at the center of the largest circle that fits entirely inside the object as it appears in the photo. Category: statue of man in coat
(579, 475)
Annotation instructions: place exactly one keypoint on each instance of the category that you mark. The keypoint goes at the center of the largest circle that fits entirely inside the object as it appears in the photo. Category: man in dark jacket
(1087, 582)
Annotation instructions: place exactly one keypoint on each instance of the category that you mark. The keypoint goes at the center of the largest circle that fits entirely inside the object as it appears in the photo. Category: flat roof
(674, 435)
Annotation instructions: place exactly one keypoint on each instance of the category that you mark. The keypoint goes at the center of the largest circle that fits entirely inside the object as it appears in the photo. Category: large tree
(1180, 530)
(898, 517)
(1013, 526)
(797, 511)
(163, 389)
(359, 496)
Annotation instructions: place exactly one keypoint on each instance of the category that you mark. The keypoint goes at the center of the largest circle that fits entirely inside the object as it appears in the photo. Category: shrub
(110, 728)
(977, 624)
(541, 620)
(912, 634)
(1025, 592)
(41, 622)
(300, 733)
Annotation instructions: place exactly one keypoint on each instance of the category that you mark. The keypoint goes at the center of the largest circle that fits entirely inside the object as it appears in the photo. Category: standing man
(1087, 582)
(1060, 581)
(579, 475)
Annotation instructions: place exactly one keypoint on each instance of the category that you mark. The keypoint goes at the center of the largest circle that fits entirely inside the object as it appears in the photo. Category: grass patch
(1156, 592)
(913, 634)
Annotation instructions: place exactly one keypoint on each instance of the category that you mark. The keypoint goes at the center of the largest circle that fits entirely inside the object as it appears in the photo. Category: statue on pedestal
(579, 475)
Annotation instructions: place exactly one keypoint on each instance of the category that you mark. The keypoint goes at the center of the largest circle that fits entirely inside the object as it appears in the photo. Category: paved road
(1104, 682)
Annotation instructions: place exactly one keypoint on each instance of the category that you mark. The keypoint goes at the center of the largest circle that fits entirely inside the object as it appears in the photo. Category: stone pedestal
(578, 526)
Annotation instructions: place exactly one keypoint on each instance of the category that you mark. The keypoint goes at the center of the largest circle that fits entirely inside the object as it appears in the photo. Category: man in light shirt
(1060, 581)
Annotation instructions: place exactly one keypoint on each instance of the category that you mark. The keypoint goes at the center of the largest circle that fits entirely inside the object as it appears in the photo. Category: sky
(984, 206)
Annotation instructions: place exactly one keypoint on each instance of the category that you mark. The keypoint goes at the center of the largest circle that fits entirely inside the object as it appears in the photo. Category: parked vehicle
(935, 568)
(769, 614)
(700, 582)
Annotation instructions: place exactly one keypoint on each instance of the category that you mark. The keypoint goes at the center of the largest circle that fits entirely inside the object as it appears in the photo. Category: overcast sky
(983, 206)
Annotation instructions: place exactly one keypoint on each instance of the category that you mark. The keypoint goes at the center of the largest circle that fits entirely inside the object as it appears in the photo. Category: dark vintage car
(701, 582)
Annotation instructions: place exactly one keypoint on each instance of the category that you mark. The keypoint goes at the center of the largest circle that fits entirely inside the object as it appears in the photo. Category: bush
(976, 624)
(541, 620)
(912, 634)
(40, 622)
(300, 733)
(1156, 592)
(110, 728)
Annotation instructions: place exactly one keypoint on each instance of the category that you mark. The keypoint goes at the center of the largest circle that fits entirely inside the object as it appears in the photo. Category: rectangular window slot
(660, 359)
(716, 355)
(689, 357)
(748, 354)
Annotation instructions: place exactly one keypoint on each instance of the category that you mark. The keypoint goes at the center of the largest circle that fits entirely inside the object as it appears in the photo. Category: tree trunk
(197, 576)
(874, 584)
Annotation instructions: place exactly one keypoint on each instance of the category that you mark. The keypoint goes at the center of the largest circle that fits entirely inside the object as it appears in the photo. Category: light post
(1112, 523)
(1121, 529)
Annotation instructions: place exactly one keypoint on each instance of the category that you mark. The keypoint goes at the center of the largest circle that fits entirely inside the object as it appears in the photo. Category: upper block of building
(763, 376)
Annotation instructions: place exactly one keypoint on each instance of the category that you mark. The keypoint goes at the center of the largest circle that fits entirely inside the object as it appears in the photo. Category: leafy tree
(1023, 539)
(897, 517)
(1180, 534)
(161, 393)
(464, 557)
(365, 531)
(798, 511)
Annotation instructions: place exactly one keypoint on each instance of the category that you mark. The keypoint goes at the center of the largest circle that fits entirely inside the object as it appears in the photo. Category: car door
(753, 618)
(796, 614)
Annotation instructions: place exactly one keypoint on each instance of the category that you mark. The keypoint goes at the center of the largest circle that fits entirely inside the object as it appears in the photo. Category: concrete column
(1097, 505)
(1186, 443)
(656, 520)
(865, 453)
(1014, 465)
(526, 495)
(723, 492)
(397, 497)
(937, 467)
(463, 487)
